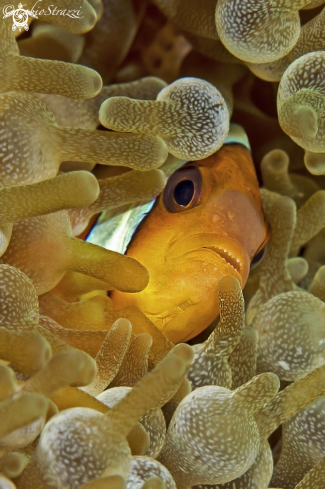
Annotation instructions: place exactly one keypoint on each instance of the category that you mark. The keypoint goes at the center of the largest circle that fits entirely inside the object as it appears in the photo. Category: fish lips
(230, 251)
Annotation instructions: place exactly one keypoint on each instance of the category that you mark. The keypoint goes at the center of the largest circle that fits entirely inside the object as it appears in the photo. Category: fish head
(207, 223)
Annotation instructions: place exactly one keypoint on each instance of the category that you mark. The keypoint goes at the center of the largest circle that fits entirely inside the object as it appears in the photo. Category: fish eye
(258, 258)
(183, 190)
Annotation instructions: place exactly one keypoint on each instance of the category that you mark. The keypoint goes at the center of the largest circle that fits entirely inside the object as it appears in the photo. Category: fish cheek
(190, 323)
(193, 303)
(184, 304)
(200, 304)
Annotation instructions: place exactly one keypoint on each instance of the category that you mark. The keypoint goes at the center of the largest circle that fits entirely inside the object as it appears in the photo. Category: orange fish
(208, 222)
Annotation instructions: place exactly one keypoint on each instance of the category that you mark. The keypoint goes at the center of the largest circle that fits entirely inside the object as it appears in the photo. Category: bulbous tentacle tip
(315, 162)
(184, 352)
(122, 325)
(306, 121)
(87, 184)
(298, 268)
(97, 82)
(245, 28)
(276, 161)
(98, 6)
(320, 274)
(87, 21)
(258, 391)
(158, 150)
(154, 483)
(228, 283)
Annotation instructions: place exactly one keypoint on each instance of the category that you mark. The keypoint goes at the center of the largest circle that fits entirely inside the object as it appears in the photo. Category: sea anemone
(93, 396)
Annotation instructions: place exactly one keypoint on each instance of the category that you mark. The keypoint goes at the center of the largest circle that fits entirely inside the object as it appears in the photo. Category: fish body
(208, 222)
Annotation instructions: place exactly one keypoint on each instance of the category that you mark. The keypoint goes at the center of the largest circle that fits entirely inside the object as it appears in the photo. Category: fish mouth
(227, 256)
(230, 250)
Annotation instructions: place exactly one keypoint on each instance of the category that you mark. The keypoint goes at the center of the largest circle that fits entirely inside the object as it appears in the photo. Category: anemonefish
(208, 222)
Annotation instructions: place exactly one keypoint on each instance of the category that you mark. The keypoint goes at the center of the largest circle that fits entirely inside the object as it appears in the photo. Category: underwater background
(130, 356)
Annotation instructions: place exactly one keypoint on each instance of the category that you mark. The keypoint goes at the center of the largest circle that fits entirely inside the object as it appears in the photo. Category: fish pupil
(183, 192)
